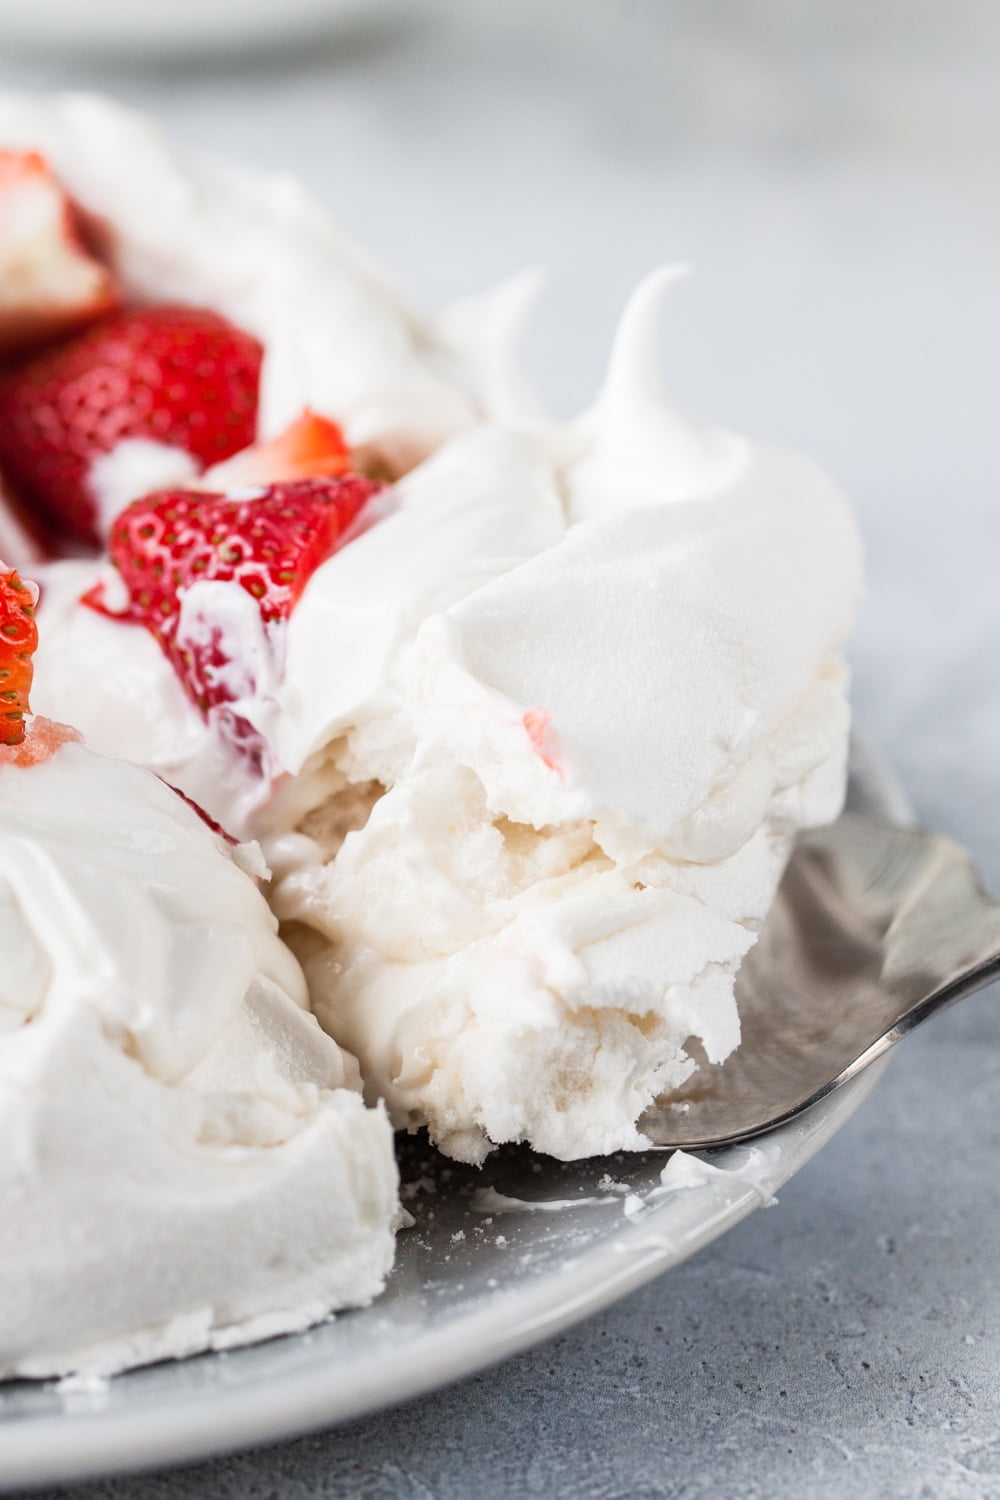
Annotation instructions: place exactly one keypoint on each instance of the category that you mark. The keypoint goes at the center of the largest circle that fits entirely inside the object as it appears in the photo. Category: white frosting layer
(338, 337)
(187, 1163)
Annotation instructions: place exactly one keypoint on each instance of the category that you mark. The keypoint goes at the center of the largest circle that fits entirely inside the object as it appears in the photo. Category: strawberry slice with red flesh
(18, 643)
(310, 447)
(50, 283)
(269, 543)
(182, 376)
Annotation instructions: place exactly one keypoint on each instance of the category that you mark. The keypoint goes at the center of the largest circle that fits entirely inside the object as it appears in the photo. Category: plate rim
(90, 1444)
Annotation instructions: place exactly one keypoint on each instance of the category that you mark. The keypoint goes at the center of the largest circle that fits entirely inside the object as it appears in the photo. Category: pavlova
(523, 715)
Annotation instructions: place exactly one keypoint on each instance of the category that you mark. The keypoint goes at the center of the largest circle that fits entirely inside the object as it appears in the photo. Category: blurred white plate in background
(152, 26)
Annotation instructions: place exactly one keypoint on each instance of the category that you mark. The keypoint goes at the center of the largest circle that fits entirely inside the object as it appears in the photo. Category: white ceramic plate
(475, 1281)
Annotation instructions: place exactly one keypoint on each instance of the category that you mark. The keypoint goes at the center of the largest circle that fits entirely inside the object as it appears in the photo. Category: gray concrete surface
(832, 170)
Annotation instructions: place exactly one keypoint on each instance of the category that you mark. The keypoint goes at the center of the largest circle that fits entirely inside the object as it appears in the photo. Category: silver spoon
(875, 928)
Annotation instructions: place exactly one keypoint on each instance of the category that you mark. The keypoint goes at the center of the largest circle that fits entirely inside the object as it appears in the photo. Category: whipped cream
(188, 1163)
(486, 502)
(539, 737)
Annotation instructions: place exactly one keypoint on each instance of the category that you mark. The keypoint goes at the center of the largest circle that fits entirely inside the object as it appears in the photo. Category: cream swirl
(187, 1161)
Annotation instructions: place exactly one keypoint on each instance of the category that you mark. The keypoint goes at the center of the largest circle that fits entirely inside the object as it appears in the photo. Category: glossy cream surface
(188, 1163)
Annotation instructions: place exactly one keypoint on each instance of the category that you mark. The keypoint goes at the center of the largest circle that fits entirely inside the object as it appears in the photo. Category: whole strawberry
(18, 643)
(176, 375)
(269, 542)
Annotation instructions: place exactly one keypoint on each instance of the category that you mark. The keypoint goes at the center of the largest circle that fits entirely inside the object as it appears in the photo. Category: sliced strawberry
(269, 543)
(176, 375)
(18, 643)
(22, 744)
(50, 284)
(311, 447)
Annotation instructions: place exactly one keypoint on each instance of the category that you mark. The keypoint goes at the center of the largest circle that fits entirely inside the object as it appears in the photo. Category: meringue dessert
(524, 714)
(188, 1163)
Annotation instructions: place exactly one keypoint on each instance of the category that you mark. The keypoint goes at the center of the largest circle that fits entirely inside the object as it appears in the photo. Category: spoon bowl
(875, 928)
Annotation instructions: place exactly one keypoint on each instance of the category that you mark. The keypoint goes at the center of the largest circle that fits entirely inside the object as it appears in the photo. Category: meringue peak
(634, 364)
(485, 331)
(637, 448)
